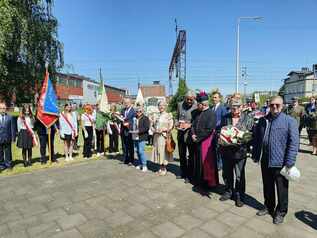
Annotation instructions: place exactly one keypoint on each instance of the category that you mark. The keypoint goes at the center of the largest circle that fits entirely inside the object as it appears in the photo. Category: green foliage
(178, 97)
(281, 91)
(28, 39)
(215, 90)
(263, 99)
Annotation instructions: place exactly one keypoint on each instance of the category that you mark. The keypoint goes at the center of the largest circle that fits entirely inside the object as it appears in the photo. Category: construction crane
(177, 66)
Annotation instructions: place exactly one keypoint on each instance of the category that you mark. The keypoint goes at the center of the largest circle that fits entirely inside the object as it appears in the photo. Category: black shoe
(278, 219)
(263, 212)
(29, 163)
(25, 164)
(239, 203)
(225, 197)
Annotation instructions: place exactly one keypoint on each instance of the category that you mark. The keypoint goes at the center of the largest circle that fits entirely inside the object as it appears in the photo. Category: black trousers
(100, 141)
(271, 177)
(43, 143)
(128, 148)
(186, 163)
(113, 140)
(5, 155)
(234, 167)
(150, 140)
(27, 154)
(88, 142)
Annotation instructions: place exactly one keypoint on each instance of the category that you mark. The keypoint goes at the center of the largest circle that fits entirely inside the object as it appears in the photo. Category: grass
(36, 165)
(59, 151)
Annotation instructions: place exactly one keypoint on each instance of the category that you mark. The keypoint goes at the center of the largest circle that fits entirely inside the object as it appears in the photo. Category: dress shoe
(278, 219)
(225, 197)
(239, 203)
(263, 212)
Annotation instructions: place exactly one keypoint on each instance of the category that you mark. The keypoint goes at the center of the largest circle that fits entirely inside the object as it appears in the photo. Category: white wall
(90, 92)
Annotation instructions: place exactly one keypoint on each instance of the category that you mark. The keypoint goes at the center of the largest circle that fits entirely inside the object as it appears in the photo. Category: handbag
(170, 143)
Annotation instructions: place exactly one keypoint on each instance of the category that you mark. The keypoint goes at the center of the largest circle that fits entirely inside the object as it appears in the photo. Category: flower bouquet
(230, 135)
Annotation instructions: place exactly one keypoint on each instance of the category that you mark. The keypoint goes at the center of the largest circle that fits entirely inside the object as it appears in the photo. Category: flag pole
(104, 141)
(49, 130)
(49, 144)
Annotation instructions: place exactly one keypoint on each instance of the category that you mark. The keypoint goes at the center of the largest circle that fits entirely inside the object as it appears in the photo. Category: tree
(281, 91)
(179, 96)
(28, 39)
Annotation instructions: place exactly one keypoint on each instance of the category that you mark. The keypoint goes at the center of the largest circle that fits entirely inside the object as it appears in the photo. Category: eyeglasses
(276, 105)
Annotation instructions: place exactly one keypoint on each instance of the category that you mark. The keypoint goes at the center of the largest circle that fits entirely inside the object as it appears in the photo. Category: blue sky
(133, 40)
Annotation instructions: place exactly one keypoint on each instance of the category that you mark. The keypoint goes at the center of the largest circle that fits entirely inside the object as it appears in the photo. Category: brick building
(81, 89)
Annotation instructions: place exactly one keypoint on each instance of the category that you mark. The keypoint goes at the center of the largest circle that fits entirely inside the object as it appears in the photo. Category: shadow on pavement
(252, 202)
(38, 159)
(308, 218)
(305, 151)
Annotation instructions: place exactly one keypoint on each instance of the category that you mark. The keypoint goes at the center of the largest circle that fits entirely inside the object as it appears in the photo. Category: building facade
(81, 89)
(153, 94)
(300, 84)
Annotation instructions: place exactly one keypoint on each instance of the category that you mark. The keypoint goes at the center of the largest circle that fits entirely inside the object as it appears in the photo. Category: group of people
(274, 142)
(28, 132)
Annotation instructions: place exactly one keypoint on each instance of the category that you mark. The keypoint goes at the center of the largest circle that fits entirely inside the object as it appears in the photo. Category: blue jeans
(139, 146)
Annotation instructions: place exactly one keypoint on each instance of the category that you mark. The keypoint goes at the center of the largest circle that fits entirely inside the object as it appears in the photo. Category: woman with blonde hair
(161, 128)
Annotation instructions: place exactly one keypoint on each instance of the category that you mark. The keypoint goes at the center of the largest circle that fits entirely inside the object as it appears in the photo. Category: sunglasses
(276, 105)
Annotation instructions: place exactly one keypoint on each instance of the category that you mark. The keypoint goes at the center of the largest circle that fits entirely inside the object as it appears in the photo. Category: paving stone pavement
(106, 198)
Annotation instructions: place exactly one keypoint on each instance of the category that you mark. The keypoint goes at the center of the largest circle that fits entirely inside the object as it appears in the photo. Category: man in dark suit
(7, 136)
(221, 111)
(43, 136)
(127, 114)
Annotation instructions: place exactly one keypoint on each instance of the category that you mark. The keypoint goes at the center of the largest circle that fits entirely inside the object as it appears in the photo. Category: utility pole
(100, 75)
(245, 83)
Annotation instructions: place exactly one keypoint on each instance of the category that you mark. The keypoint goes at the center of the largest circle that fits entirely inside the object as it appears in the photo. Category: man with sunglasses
(276, 144)
(185, 145)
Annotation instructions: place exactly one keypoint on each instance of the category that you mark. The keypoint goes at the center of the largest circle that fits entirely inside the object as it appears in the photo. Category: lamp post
(255, 18)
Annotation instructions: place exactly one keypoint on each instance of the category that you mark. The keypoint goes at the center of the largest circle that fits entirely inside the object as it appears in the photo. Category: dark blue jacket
(309, 108)
(7, 130)
(221, 112)
(283, 140)
(128, 117)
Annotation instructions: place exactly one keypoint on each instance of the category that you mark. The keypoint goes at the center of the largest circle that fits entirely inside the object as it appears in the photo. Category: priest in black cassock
(203, 132)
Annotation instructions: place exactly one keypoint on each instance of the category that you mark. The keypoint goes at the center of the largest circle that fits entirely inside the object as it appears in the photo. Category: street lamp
(255, 18)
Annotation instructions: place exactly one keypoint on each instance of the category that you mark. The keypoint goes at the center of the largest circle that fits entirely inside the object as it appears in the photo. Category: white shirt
(2, 117)
(21, 125)
(65, 128)
(85, 119)
(216, 106)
